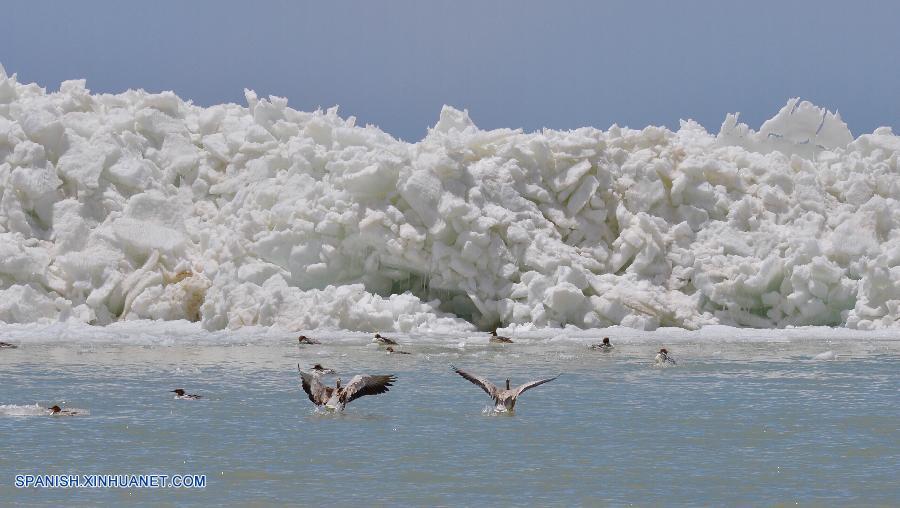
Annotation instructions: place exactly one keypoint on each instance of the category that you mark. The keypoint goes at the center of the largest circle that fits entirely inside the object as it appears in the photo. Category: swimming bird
(7, 345)
(392, 351)
(663, 358)
(318, 369)
(303, 339)
(499, 339)
(505, 400)
(56, 410)
(337, 397)
(384, 341)
(604, 346)
(179, 394)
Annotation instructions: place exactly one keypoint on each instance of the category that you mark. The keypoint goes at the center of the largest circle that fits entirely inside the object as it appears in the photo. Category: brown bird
(663, 358)
(318, 369)
(179, 394)
(605, 346)
(504, 400)
(56, 410)
(303, 339)
(384, 341)
(499, 339)
(392, 351)
(337, 397)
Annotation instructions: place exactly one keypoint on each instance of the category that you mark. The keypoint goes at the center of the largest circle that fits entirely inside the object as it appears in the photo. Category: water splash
(825, 356)
(23, 410)
(36, 410)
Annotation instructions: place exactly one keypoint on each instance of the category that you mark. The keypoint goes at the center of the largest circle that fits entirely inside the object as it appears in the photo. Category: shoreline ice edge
(184, 333)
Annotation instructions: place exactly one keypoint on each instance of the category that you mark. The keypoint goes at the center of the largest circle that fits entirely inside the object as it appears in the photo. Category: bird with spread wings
(505, 400)
(335, 398)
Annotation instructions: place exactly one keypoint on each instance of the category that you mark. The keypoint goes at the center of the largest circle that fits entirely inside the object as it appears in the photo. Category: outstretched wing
(485, 385)
(532, 384)
(360, 386)
(315, 390)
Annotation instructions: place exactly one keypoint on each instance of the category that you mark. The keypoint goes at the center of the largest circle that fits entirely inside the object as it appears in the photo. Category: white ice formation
(142, 205)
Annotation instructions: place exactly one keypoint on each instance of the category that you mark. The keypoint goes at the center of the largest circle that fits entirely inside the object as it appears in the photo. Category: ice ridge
(144, 206)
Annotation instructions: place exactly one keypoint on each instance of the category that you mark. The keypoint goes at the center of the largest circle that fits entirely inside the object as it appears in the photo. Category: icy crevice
(140, 205)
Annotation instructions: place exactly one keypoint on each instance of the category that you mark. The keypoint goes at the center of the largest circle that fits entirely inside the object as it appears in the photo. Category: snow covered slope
(142, 205)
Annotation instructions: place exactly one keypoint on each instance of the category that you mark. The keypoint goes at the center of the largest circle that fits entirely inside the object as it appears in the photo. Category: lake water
(735, 423)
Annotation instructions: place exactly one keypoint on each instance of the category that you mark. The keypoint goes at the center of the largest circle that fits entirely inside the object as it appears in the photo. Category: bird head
(663, 351)
(338, 384)
(606, 340)
(389, 349)
(55, 409)
(318, 366)
(178, 391)
(507, 384)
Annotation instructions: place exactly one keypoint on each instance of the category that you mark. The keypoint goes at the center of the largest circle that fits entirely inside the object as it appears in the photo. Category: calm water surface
(732, 424)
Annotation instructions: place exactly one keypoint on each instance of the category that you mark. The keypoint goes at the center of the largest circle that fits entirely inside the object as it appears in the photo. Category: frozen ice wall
(142, 205)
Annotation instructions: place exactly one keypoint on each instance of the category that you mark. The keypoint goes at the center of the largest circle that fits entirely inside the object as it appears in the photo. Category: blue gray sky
(520, 63)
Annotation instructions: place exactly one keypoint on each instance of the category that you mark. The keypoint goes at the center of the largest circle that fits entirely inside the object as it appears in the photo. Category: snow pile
(141, 205)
